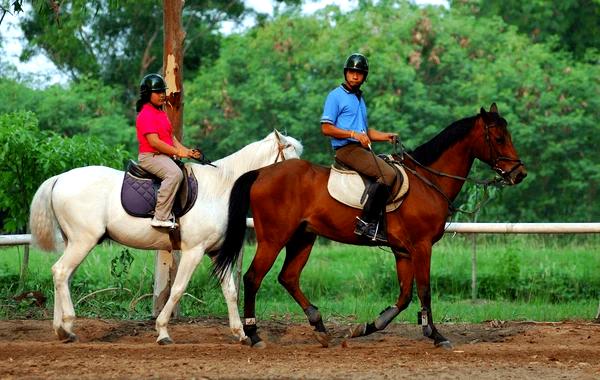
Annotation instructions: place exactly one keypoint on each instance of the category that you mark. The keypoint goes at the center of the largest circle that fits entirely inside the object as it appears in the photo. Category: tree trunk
(165, 269)
(173, 63)
(166, 263)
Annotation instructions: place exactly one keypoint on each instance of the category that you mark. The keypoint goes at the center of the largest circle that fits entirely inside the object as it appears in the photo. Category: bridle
(496, 158)
(281, 147)
(496, 182)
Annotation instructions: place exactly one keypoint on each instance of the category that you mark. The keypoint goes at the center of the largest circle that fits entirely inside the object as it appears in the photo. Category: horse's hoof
(71, 338)
(260, 345)
(446, 345)
(66, 337)
(165, 341)
(358, 330)
(245, 341)
(323, 338)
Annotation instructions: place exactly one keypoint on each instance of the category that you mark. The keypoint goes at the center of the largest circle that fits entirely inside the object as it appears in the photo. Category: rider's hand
(363, 139)
(392, 137)
(196, 153)
(183, 152)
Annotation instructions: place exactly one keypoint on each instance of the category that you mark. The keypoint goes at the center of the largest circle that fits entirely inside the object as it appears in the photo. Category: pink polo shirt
(152, 120)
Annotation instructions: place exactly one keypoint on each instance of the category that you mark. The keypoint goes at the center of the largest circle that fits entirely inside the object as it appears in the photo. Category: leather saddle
(139, 189)
(350, 188)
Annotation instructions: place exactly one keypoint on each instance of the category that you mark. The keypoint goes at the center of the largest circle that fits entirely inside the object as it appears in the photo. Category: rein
(203, 160)
(496, 182)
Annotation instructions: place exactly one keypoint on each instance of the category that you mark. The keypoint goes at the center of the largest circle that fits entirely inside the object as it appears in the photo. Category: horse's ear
(482, 111)
(277, 134)
(494, 108)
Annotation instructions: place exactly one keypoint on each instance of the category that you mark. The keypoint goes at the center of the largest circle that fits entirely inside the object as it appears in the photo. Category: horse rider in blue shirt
(344, 120)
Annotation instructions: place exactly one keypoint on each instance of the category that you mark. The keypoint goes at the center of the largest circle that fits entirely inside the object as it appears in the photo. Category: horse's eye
(500, 140)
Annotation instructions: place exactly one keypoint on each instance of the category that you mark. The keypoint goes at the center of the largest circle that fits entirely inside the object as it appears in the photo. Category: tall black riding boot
(368, 224)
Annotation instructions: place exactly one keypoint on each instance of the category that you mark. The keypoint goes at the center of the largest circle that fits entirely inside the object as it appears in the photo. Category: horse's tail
(42, 221)
(239, 203)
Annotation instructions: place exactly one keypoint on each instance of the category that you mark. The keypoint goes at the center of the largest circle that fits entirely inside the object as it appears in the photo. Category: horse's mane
(219, 180)
(429, 152)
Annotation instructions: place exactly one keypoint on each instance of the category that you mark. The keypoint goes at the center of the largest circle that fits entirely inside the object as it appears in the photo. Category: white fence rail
(513, 228)
(466, 228)
(524, 228)
(15, 239)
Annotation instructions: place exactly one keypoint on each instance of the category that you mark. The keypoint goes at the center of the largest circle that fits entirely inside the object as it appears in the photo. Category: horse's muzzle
(514, 176)
(520, 175)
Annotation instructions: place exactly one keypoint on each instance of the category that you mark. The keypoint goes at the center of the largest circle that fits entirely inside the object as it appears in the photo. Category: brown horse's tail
(239, 204)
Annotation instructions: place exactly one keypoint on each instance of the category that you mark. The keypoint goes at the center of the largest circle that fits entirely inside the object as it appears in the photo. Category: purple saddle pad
(138, 193)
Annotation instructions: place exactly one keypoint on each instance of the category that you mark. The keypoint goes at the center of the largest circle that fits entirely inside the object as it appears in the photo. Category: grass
(544, 278)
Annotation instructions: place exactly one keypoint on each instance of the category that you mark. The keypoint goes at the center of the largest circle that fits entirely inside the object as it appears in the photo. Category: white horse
(84, 204)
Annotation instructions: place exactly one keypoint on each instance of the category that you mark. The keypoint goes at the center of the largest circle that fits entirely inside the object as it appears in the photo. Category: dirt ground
(204, 349)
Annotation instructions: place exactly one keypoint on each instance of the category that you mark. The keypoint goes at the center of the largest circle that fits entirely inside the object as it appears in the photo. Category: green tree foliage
(29, 156)
(574, 23)
(86, 107)
(117, 42)
(429, 67)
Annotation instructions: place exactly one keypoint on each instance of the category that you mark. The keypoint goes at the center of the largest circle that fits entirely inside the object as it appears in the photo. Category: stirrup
(169, 223)
(370, 231)
(361, 227)
(379, 235)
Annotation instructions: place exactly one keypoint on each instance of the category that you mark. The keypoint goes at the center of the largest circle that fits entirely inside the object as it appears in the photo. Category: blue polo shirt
(347, 111)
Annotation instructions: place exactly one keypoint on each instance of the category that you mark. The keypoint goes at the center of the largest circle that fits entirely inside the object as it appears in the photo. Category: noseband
(497, 159)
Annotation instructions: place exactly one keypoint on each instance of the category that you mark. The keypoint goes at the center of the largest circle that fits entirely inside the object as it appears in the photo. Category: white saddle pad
(347, 187)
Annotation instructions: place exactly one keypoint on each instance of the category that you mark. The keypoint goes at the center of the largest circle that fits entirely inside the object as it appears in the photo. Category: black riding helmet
(357, 62)
(152, 83)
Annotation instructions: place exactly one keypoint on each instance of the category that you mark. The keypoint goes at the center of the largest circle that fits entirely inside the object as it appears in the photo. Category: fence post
(474, 267)
(165, 269)
(597, 320)
(24, 268)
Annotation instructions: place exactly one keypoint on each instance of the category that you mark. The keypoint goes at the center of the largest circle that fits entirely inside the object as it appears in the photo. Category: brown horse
(291, 206)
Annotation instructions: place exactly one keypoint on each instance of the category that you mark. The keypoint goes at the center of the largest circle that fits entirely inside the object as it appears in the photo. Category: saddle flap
(349, 187)
(187, 194)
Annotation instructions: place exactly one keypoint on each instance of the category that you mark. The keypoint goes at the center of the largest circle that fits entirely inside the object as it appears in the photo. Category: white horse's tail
(42, 221)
